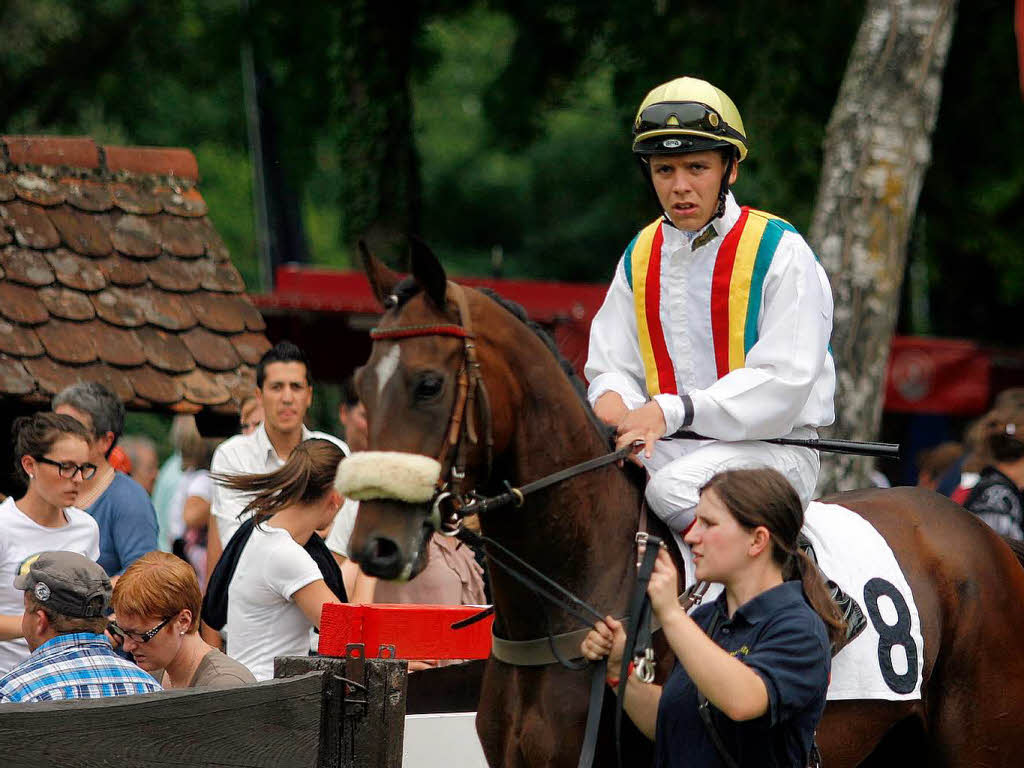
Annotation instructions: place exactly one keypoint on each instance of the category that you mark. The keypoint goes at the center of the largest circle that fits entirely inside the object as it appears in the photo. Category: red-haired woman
(156, 602)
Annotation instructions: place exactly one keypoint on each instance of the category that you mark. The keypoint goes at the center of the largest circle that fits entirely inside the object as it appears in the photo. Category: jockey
(717, 320)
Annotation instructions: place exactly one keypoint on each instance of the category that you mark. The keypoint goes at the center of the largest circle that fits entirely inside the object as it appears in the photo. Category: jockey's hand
(663, 586)
(646, 423)
(607, 638)
(611, 409)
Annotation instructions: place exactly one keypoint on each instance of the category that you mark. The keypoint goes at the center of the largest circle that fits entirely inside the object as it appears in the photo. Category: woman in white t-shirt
(277, 590)
(52, 456)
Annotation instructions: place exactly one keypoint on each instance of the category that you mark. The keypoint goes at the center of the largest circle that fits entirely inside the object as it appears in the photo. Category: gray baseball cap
(69, 583)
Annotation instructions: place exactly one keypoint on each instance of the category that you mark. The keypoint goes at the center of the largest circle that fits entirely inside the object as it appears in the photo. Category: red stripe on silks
(666, 373)
(415, 631)
(686, 530)
(720, 279)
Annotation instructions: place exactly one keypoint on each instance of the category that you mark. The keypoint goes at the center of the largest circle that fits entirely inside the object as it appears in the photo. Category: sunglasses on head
(685, 115)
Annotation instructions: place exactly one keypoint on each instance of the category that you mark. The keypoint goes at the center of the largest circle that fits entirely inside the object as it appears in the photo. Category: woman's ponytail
(820, 600)
(306, 477)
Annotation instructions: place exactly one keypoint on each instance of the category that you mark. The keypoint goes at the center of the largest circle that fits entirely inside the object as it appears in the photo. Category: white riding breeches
(680, 468)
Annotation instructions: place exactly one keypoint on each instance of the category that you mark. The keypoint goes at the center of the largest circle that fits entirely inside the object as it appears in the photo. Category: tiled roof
(111, 271)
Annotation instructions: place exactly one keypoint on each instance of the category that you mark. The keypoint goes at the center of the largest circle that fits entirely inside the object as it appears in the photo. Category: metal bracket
(355, 679)
(386, 652)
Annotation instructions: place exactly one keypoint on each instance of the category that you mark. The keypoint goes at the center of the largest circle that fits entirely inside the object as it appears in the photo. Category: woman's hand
(663, 586)
(607, 638)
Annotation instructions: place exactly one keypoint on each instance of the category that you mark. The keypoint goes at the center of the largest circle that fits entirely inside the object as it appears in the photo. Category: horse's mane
(408, 287)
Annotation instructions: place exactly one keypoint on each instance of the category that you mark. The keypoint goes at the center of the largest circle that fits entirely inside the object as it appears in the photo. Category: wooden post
(364, 715)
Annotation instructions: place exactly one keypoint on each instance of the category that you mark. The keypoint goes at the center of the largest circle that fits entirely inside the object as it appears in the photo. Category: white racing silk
(788, 380)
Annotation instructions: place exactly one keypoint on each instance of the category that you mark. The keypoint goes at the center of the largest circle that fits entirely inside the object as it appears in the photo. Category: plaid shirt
(79, 665)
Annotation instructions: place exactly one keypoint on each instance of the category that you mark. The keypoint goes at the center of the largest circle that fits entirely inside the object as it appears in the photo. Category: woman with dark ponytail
(277, 590)
(753, 666)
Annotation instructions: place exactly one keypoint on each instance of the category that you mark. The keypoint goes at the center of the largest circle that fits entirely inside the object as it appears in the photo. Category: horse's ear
(428, 272)
(382, 279)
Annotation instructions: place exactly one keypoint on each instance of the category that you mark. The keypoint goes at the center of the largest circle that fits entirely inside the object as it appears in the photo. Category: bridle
(450, 503)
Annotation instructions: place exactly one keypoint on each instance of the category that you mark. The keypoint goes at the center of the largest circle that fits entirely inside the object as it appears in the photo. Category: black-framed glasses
(68, 469)
(138, 637)
(685, 115)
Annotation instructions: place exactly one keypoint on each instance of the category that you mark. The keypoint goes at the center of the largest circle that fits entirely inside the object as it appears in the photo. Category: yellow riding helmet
(687, 115)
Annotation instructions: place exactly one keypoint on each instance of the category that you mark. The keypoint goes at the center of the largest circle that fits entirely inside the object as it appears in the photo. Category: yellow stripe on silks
(641, 257)
(739, 288)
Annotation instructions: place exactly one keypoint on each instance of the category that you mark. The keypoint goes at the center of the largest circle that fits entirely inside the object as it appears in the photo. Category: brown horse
(968, 584)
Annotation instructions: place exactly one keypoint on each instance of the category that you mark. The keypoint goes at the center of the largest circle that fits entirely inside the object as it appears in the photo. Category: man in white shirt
(285, 392)
(717, 320)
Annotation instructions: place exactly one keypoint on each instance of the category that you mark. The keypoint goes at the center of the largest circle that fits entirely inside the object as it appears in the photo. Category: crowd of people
(120, 576)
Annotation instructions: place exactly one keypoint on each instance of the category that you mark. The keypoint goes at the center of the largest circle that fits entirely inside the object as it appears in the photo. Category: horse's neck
(578, 532)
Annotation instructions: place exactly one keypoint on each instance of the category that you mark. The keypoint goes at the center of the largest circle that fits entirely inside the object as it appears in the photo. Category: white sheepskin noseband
(408, 477)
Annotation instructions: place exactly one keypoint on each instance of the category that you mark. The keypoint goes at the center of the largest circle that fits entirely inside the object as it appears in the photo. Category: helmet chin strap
(723, 190)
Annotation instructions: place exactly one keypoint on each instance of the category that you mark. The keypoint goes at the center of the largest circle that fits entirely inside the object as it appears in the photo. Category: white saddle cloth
(885, 660)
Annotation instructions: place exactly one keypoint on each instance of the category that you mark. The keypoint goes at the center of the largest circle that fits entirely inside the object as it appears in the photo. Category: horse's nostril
(384, 549)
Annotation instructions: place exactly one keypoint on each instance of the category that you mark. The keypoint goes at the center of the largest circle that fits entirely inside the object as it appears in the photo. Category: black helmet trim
(674, 143)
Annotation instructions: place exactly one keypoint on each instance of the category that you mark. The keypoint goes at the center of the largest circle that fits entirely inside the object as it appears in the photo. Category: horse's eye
(427, 387)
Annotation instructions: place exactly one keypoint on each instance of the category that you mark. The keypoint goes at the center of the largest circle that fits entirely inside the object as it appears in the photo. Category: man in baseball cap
(67, 597)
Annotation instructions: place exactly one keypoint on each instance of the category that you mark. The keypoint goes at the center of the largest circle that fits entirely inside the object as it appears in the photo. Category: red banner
(937, 376)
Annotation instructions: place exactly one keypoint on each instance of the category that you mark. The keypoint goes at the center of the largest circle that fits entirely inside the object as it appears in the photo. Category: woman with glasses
(156, 603)
(52, 457)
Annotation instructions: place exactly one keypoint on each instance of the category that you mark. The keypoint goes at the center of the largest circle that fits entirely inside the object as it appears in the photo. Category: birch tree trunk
(877, 149)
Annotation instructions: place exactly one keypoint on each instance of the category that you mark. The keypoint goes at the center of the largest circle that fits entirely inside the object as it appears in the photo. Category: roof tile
(240, 382)
(118, 307)
(182, 202)
(250, 346)
(171, 274)
(77, 151)
(21, 342)
(6, 188)
(211, 350)
(117, 381)
(25, 266)
(76, 271)
(5, 237)
(165, 351)
(68, 342)
(31, 226)
(121, 271)
(20, 304)
(66, 304)
(14, 379)
(35, 189)
(86, 195)
(170, 311)
(162, 161)
(51, 376)
(219, 276)
(118, 346)
(81, 231)
(203, 389)
(136, 236)
(156, 386)
(253, 319)
(179, 236)
(218, 312)
(184, 406)
(211, 240)
(133, 199)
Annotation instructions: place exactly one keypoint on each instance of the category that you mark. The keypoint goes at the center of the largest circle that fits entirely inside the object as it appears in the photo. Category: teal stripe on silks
(629, 260)
(765, 251)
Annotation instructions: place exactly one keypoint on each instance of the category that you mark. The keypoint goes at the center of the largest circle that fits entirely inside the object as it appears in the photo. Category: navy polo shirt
(784, 641)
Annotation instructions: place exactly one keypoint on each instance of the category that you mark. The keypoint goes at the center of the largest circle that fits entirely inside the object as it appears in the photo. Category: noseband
(449, 503)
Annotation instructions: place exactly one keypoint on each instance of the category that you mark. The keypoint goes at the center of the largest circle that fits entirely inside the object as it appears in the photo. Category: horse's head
(422, 395)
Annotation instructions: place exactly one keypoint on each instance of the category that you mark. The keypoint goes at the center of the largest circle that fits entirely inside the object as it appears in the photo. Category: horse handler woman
(757, 659)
